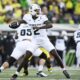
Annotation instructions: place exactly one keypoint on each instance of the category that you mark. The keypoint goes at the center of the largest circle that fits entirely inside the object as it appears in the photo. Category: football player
(40, 23)
(77, 41)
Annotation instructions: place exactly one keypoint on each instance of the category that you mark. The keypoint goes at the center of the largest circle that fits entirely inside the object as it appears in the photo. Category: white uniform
(77, 40)
(40, 35)
(60, 44)
(25, 42)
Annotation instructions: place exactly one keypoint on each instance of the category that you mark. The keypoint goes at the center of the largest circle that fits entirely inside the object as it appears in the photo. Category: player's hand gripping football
(14, 24)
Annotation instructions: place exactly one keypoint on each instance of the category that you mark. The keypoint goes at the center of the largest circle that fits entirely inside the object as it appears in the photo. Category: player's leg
(14, 56)
(39, 53)
(24, 66)
(48, 64)
(7, 63)
(59, 61)
(42, 62)
(25, 59)
(47, 58)
(43, 57)
(29, 50)
(41, 65)
(78, 54)
(48, 46)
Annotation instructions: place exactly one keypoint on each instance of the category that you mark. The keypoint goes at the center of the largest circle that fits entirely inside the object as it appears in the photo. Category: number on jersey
(26, 32)
(36, 33)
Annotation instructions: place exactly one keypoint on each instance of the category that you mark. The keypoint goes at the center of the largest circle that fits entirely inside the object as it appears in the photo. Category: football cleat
(66, 74)
(41, 74)
(14, 77)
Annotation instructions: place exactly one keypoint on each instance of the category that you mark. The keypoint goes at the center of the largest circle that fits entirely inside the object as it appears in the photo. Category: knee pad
(11, 60)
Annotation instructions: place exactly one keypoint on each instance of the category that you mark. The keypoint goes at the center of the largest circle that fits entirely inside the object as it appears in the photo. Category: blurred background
(63, 14)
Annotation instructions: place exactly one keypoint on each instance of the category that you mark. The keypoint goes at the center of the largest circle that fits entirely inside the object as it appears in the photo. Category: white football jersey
(77, 35)
(36, 23)
(24, 32)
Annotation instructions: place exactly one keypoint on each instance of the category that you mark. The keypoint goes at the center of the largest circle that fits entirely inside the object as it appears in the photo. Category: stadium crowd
(58, 11)
(7, 44)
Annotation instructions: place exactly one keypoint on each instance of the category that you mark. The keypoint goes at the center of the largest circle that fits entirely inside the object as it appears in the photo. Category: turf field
(55, 75)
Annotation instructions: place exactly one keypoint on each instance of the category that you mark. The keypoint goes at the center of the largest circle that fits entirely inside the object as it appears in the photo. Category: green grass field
(55, 75)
